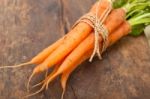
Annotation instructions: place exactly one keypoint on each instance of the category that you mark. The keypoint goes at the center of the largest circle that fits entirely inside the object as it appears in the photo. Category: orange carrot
(78, 34)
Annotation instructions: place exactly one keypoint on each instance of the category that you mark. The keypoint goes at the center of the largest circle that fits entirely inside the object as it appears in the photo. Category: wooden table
(28, 26)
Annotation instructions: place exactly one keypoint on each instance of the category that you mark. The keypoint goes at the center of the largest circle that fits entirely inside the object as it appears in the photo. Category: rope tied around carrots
(98, 27)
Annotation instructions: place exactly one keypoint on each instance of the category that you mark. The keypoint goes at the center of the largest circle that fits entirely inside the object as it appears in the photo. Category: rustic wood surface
(28, 26)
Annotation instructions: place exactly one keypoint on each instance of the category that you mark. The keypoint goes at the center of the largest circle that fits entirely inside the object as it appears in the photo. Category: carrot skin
(121, 32)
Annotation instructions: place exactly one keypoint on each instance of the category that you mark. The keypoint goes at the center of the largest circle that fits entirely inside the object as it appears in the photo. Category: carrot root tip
(62, 95)
(16, 66)
(28, 83)
(50, 79)
(38, 84)
(38, 91)
(46, 73)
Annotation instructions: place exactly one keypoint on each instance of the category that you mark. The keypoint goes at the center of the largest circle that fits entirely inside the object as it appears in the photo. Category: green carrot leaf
(137, 30)
(119, 3)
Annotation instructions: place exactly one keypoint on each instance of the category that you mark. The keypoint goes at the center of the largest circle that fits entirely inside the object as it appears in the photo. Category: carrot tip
(62, 95)
(47, 86)
(28, 83)
(38, 84)
(38, 91)
(46, 73)
(15, 66)
(50, 79)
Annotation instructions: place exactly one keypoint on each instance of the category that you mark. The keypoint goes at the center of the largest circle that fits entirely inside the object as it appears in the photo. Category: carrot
(41, 56)
(78, 34)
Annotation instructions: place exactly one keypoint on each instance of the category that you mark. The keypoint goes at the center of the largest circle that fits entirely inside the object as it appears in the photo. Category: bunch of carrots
(75, 47)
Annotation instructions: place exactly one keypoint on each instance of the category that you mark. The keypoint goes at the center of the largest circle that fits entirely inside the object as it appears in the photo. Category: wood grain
(28, 26)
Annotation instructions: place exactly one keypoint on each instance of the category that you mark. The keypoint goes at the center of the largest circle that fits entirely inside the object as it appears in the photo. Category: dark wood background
(28, 26)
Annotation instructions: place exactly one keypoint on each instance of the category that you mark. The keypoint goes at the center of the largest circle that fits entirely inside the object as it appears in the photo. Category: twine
(99, 29)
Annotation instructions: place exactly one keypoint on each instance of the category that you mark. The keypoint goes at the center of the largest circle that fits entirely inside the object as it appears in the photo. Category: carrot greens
(138, 15)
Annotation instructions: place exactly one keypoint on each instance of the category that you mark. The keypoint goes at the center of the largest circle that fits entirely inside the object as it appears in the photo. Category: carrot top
(138, 14)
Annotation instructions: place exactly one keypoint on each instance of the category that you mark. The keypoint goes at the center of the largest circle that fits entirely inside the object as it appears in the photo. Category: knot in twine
(99, 29)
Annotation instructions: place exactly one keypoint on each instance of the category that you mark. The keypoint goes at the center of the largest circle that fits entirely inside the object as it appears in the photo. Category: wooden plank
(28, 26)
